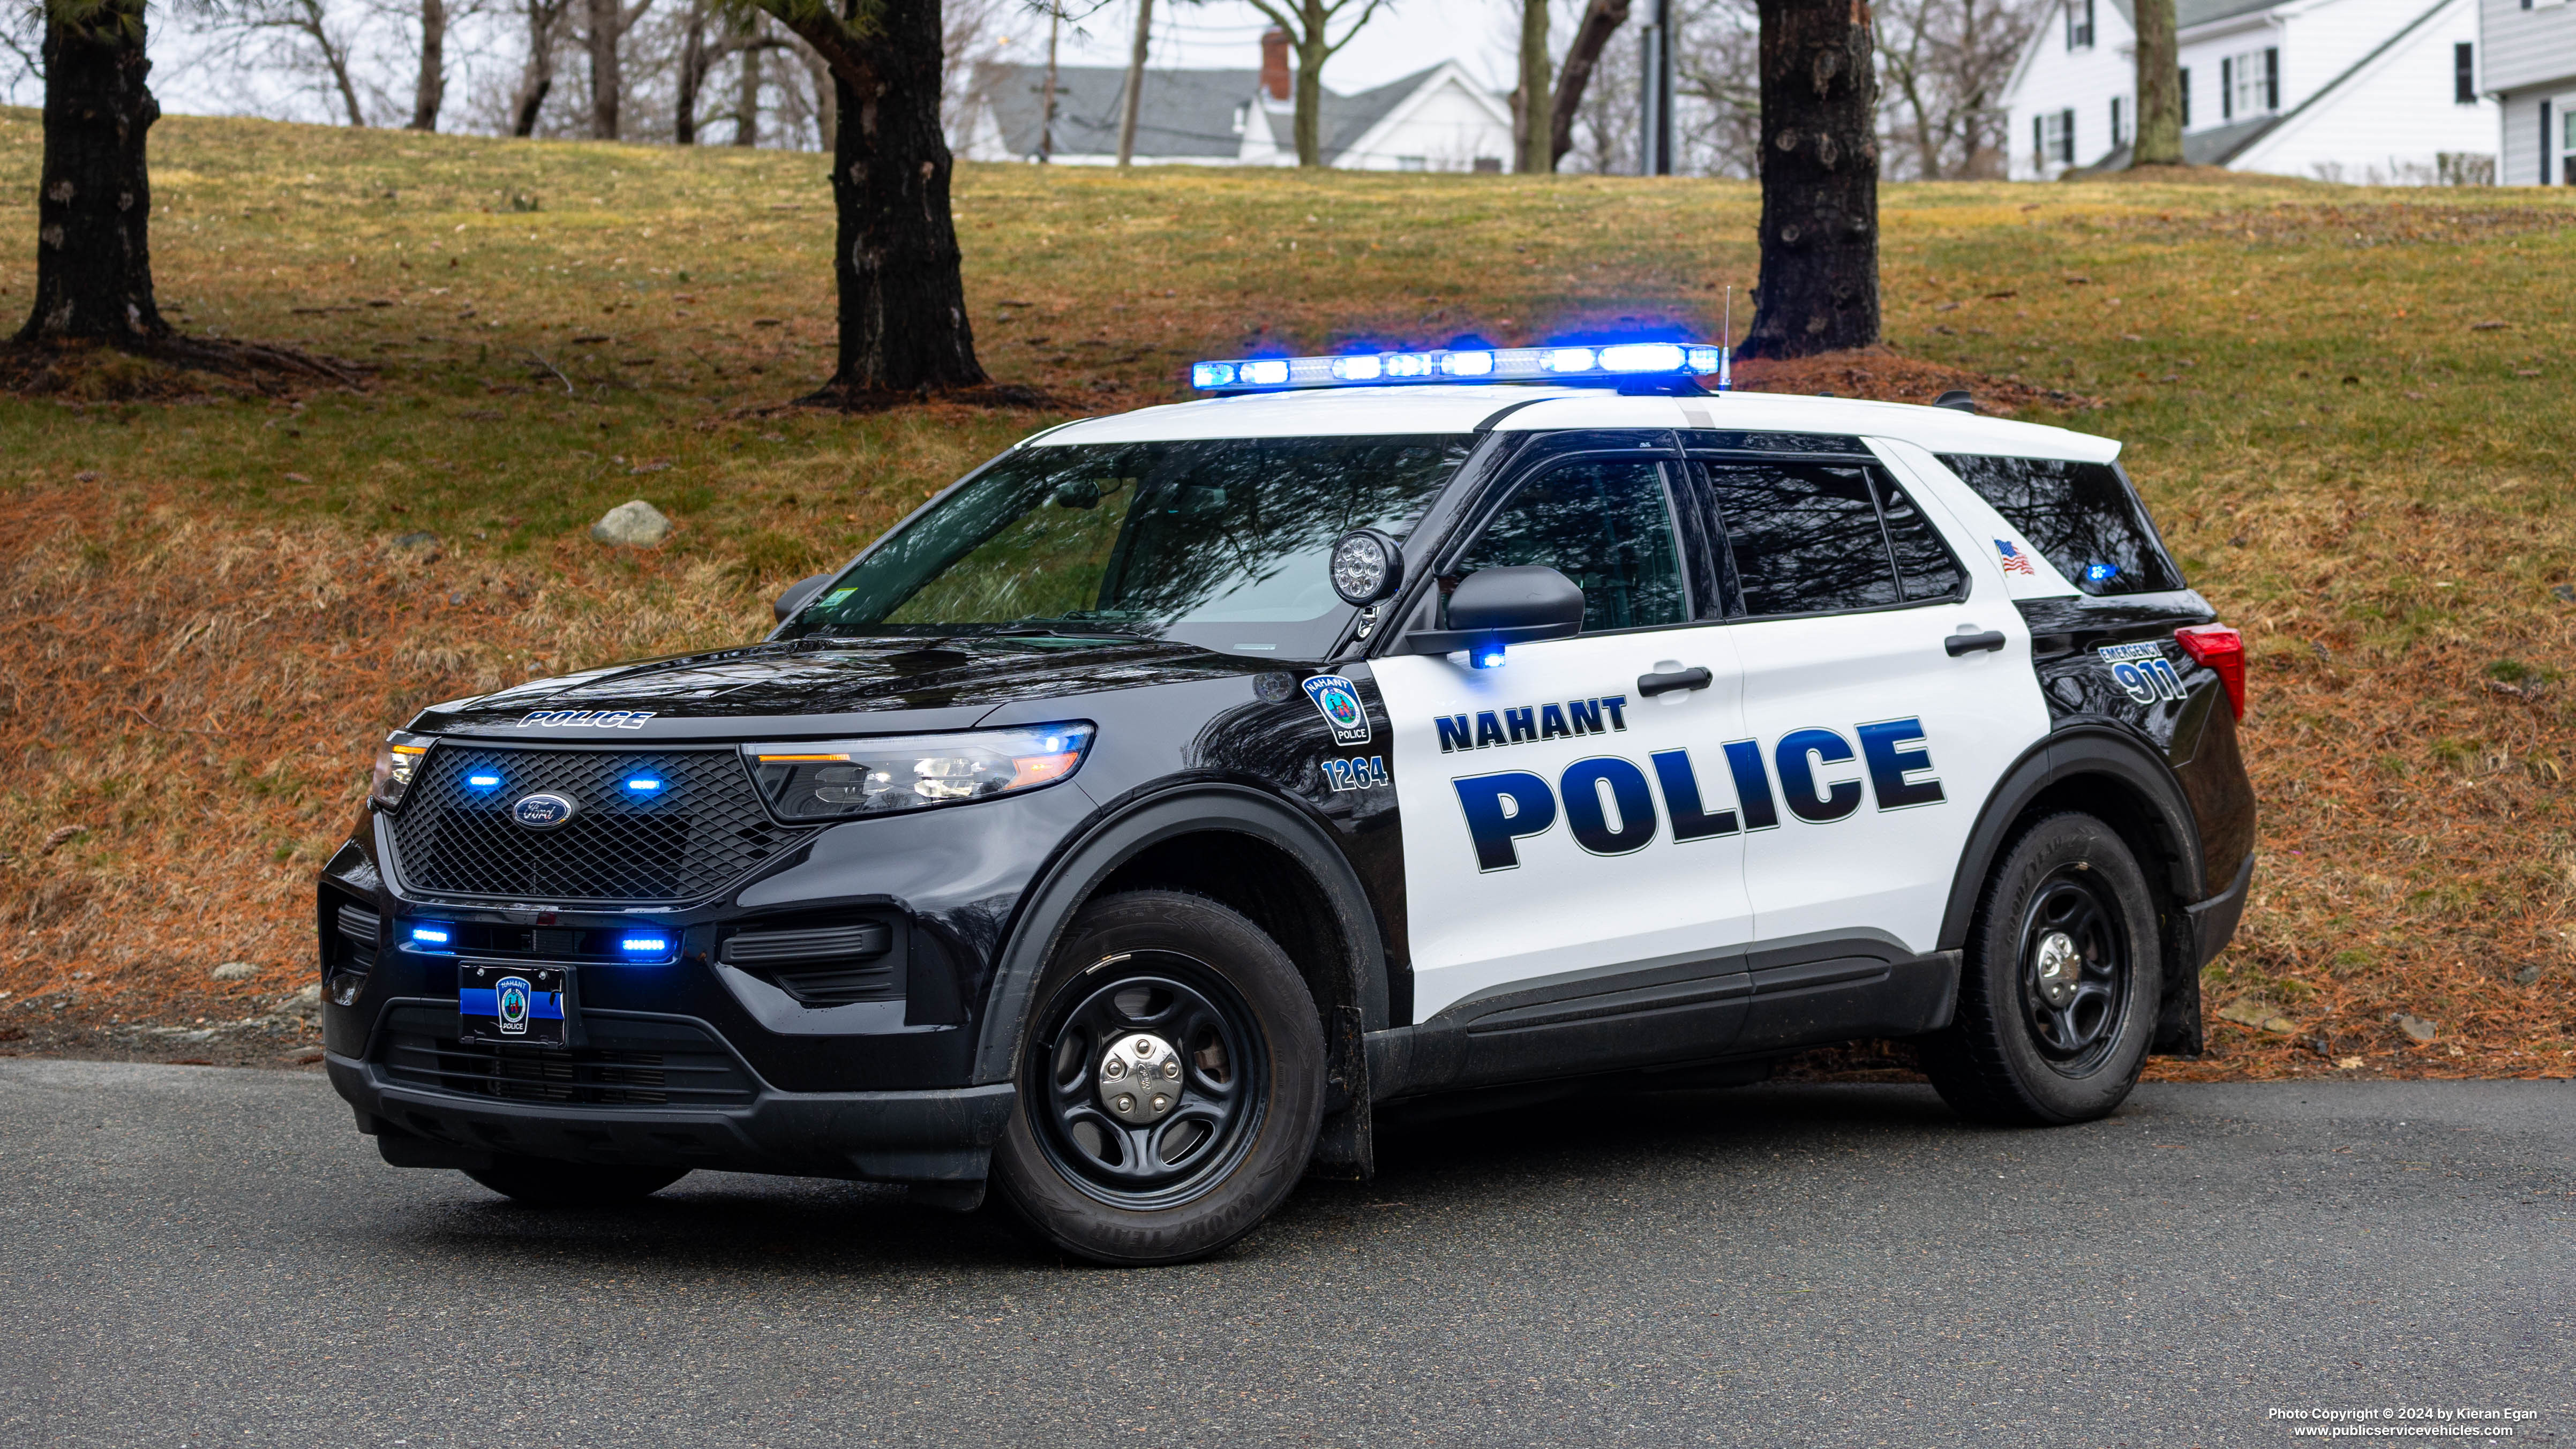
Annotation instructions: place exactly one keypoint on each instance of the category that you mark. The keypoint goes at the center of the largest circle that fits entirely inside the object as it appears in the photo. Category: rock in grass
(634, 524)
(2256, 1015)
(419, 541)
(2418, 1029)
(235, 971)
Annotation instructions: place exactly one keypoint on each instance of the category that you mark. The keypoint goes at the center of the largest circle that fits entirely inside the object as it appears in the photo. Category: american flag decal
(2014, 560)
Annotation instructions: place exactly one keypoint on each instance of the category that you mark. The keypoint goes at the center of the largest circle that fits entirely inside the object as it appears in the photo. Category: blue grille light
(484, 782)
(643, 784)
(1616, 362)
(644, 945)
(431, 935)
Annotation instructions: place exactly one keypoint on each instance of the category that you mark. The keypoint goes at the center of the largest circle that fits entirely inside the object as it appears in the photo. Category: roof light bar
(1614, 363)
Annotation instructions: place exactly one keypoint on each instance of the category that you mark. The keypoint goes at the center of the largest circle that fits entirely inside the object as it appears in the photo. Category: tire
(542, 1183)
(1148, 983)
(2059, 988)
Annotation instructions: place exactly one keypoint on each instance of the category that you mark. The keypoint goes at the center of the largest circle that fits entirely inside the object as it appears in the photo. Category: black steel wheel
(1171, 1083)
(2058, 988)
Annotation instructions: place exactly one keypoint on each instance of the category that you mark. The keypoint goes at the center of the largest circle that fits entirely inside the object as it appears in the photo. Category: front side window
(2080, 516)
(1606, 526)
(1221, 544)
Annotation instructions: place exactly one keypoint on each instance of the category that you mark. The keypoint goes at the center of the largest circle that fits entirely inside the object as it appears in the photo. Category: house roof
(2215, 146)
(1178, 112)
(1343, 120)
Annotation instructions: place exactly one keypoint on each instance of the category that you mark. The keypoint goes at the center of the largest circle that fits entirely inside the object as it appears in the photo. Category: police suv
(1163, 799)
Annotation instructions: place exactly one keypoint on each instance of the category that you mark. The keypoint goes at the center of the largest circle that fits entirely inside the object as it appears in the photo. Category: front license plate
(521, 1004)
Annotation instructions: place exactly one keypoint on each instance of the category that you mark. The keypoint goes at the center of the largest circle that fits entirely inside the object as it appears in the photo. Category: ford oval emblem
(542, 812)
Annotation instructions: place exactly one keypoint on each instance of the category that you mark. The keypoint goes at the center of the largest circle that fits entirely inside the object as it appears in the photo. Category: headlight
(841, 778)
(396, 760)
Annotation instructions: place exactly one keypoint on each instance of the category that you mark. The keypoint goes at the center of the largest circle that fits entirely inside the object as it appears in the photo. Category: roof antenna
(1725, 339)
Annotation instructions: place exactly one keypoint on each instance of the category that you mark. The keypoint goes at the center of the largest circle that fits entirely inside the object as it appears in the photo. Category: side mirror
(1493, 608)
(798, 595)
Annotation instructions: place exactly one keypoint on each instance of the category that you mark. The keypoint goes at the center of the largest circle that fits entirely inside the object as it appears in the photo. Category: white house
(1436, 119)
(2531, 71)
(2375, 91)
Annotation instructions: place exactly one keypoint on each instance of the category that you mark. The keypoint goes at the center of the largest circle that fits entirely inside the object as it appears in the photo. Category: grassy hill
(2349, 409)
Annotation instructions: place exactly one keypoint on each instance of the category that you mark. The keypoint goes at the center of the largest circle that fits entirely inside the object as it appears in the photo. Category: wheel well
(2140, 825)
(1270, 886)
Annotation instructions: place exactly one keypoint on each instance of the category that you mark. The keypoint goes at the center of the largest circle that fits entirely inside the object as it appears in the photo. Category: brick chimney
(1274, 63)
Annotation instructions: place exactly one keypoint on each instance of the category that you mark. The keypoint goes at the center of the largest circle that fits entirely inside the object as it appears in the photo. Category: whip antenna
(1726, 342)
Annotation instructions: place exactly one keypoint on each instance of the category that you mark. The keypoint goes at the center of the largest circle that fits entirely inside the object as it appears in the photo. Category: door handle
(1959, 644)
(1651, 685)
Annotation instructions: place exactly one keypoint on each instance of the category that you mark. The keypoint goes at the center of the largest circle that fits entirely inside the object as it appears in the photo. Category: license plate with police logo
(523, 1005)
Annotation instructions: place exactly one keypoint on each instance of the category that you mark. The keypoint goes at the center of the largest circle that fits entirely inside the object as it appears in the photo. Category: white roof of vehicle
(1461, 408)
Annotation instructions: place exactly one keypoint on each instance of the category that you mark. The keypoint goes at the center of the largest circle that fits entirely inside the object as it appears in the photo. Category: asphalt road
(194, 1256)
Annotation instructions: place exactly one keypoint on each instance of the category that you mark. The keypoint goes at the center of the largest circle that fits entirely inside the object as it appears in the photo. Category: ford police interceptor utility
(1157, 803)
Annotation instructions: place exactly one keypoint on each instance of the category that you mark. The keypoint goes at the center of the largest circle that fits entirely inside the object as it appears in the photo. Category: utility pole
(1046, 107)
(1655, 91)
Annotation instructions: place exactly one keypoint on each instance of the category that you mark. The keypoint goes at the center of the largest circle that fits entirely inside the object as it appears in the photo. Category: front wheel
(2058, 992)
(1171, 1084)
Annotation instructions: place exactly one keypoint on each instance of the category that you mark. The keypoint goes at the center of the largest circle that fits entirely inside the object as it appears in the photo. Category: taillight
(2215, 646)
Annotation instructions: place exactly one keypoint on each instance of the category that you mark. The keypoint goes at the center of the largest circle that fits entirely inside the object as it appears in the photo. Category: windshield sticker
(1339, 702)
(1366, 774)
(2142, 670)
(1532, 723)
(587, 719)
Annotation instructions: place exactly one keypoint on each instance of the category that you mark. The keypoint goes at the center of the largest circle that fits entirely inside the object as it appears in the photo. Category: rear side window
(2081, 516)
(1811, 539)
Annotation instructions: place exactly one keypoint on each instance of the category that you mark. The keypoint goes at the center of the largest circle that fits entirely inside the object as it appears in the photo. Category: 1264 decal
(1367, 774)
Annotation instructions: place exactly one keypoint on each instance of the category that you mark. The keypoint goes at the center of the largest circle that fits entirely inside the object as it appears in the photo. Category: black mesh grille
(628, 1062)
(702, 829)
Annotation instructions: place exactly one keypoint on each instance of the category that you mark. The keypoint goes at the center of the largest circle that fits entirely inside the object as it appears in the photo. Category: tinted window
(1604, 525)
(2080, 516)
(1803, 539)
(1925, 568)
(1220, 544)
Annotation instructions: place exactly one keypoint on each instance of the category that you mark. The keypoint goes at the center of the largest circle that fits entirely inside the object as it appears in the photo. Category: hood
(871, 686)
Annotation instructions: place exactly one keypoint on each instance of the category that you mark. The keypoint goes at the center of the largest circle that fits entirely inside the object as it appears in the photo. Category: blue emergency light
(644, 944)
(1617, 362)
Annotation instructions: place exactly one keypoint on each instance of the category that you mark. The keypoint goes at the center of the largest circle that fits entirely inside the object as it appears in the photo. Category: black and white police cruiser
(1156, 804)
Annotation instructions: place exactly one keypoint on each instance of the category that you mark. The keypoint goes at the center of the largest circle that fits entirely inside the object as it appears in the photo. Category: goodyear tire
(541, 1183)
(1171, 1083)
(2058, 992)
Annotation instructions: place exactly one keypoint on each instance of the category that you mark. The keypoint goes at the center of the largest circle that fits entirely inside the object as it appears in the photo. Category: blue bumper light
(644, 945)
(432, 935)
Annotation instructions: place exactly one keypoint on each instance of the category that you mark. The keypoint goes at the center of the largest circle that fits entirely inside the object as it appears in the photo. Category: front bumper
(936, 1136)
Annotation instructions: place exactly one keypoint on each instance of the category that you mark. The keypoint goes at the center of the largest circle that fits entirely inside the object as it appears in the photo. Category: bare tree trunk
(1819, 286)
(1046, 103)
(1135, 83)
(1307, 120)
(1533, 117)
(902, 301)
(746, 95)
(2159, 122)
(695, 61)
(539, 77)
(1601, 19)
(606, 79)
(431, 89)
(94, 197)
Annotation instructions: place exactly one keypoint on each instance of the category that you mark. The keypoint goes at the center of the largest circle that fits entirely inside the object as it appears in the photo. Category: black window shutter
(2545, 148)
(2227, 90)
(2184, 90)
(2464, 73)
(2066, 136)
(2272, 80)
(2039, 138)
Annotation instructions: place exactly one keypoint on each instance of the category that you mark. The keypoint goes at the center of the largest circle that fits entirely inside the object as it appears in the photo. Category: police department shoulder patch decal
(1339, 702)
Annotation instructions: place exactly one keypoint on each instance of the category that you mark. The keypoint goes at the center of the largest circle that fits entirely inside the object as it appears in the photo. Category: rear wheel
(541, 1183)
(1171, 1084)
(2058, 992)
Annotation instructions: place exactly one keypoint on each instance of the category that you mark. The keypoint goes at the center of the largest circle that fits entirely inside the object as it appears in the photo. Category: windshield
(1221, 543)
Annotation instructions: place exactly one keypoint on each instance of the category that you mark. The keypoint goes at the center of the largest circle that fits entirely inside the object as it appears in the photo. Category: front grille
(700, 831)
(628, 1062)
